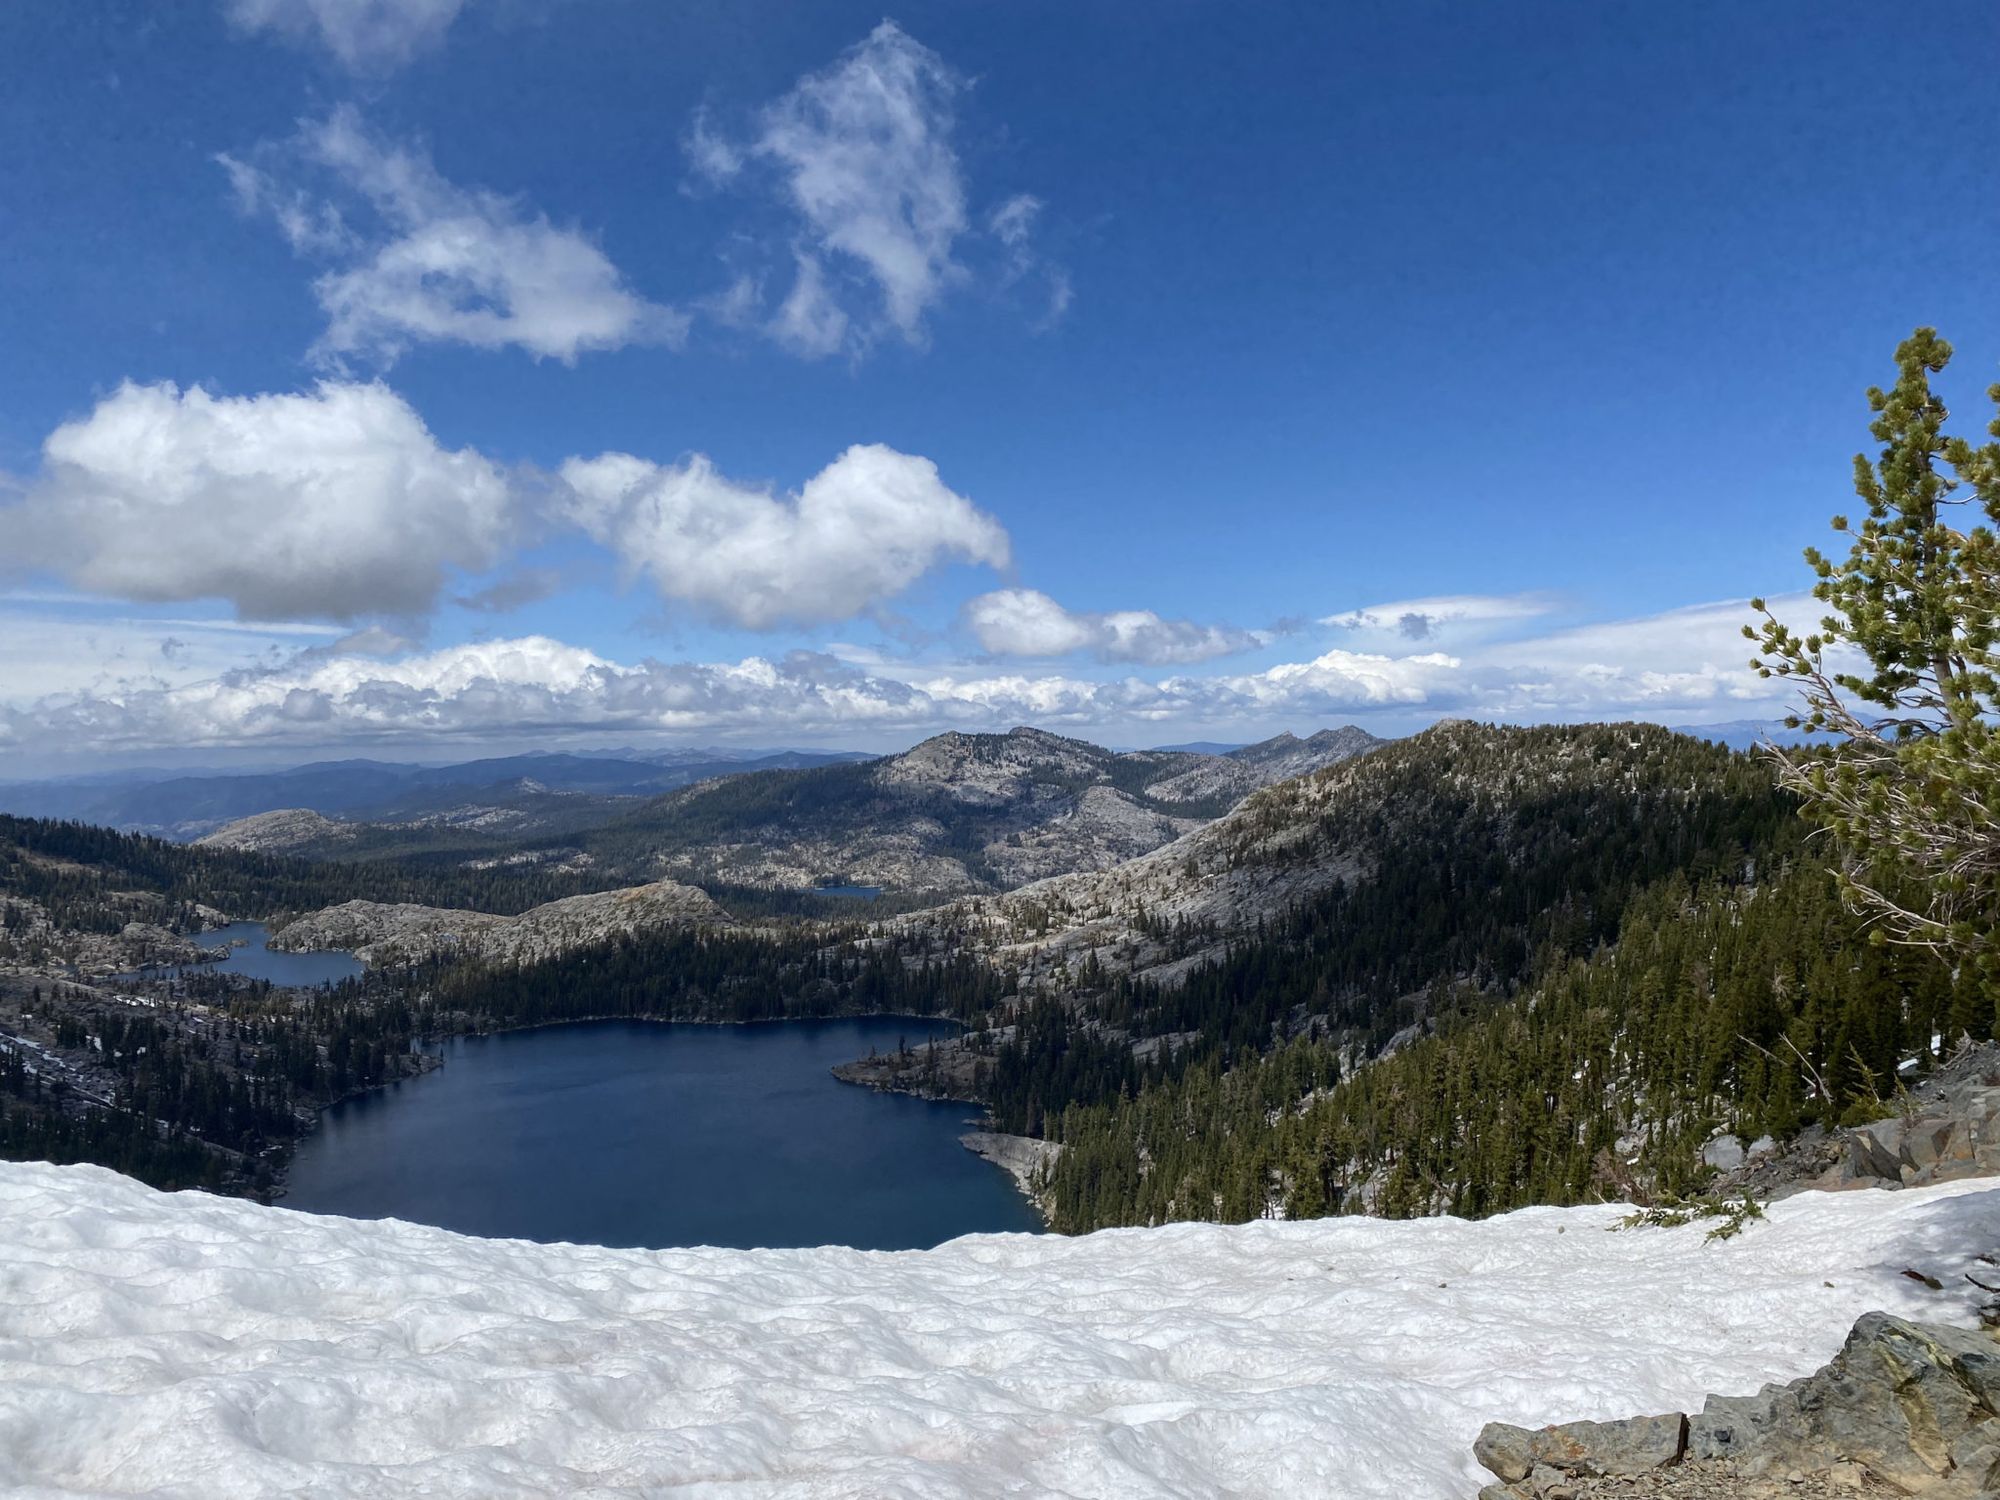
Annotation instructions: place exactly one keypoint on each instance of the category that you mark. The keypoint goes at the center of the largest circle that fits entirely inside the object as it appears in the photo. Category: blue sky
(401, 378)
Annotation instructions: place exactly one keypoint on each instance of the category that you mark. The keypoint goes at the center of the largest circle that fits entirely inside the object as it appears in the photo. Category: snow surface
(186, 1345)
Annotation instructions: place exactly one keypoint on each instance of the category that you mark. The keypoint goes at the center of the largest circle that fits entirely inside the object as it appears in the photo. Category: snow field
(184, 1345)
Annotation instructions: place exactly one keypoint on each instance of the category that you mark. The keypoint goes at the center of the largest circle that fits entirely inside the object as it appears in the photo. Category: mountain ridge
(956, 812)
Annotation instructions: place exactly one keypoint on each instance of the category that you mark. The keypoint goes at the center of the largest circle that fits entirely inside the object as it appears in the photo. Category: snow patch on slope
(193, 1346)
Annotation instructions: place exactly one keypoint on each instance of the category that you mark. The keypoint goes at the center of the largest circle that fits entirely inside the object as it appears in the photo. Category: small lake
(854, 892)
(634, 1133)
(259, 962)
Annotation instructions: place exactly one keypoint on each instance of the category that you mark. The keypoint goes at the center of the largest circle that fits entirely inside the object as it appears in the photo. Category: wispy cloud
(1422, 619)
(55, 654)
(1685, 661)
(364, 36)
(414, 258)
(862, 156)
(529, 586)
(1028, 623)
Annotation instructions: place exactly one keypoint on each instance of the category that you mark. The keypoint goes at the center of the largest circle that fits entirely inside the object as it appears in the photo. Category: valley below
(1453, 984)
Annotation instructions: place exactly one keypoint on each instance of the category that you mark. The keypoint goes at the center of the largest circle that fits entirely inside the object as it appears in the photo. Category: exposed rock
(1908, 1408)
(381, 933)
(1021, 1157)
(1725, 1151)
(958, 812)
(1632, 1446)
(1715, 1479)
(1915, 1404)
(929, 1066)
(1948, 1127)
(1242, 771)
(288, 830)
(32, 942)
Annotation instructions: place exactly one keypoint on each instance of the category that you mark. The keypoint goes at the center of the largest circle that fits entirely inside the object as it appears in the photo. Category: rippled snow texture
(193, 1346)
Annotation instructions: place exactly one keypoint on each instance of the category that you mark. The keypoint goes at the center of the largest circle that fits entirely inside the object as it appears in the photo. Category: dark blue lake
(633, 1133)
(248, 955)
(856, 892)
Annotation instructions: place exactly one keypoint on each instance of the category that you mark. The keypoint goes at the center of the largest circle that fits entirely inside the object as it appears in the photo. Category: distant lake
(858, 892)
(630, 1133)
(260, 962)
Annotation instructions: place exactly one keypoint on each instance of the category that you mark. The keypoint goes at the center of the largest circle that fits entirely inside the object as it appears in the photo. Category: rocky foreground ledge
(1905, 1408)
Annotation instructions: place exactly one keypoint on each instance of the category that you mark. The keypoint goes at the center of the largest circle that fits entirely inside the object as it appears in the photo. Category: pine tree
(1910, 788)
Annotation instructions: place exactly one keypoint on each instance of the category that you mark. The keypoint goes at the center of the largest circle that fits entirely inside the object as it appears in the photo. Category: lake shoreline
(428, 1049)
(742, 1140)
(1025, 1158)
(1021, 1157)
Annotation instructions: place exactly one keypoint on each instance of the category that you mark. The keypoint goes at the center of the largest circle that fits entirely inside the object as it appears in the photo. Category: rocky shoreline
(1021, 1157)
(945, 1068)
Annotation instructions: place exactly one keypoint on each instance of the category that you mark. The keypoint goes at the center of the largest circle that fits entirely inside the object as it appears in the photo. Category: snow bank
(193, 1346)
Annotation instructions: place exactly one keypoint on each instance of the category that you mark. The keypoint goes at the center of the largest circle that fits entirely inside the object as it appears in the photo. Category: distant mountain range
(959, 812)
(185, 805)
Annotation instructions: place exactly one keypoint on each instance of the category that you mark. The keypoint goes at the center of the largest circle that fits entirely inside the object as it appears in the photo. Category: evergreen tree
(1910, 788)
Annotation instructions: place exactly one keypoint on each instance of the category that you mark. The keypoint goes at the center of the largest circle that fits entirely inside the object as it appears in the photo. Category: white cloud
(435, 262)
(46, 651)
(1684, 666)
(1013, 225)
(865, 149)
(714, 157)
(859, 532)
(861, 156)
(1027, 622)
(367, 36)
(809, 321)
(1684, 662)
(535, 685)
(1013, 222)
(1420, 619)
(331, 504)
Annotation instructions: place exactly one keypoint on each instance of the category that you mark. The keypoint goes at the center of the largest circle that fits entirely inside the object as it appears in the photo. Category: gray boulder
(1917, 1404)
(1635, 1445)
(1725, 1152)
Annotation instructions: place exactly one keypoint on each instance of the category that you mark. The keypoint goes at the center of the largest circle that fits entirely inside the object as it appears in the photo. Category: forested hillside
(1538, 965)
(1725, 1005)
(91, 879)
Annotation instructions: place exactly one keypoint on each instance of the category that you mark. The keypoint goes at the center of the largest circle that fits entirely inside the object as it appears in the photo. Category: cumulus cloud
(859, 532)
(1027, 622)
(331, 504)
(365, 36)
(1420, 619)
(861, 156)
(1684, 666)
(536, 685)
(414, 258)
